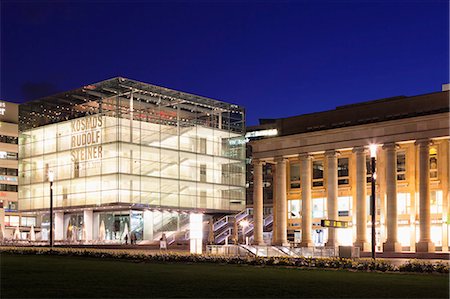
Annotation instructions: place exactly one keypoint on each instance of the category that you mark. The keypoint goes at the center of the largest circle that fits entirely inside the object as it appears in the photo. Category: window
(317, 173)
(9, 188)
(343, 171)
(202, 145)
(403, 203)
(12, 206)
(28, 221)
(294, 175)
(401, 166)
(436, 202)
(344, 206)
(9, 139)
(202, 172)
(318, 209)
(433, 163)
(12, 220)
(12, 171)
(8, 156)
(294, 209)
(8, 171)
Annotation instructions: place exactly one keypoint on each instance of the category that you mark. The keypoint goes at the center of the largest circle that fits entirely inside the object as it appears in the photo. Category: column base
(363, 246)
(259, 243)
(392, 247)
(285, 243)
(425, 246)
(332, 244)
(306, 244)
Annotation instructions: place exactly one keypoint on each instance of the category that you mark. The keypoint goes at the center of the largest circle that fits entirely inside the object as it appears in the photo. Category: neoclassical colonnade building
(320, 166)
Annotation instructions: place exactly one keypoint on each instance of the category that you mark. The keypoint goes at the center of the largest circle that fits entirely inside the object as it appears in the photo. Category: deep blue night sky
(277, 59)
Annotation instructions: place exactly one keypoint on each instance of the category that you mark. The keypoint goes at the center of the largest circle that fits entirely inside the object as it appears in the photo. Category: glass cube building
(129, 156)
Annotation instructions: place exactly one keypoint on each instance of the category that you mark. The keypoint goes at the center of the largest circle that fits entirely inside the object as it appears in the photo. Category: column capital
(423, 142)
(280, 159)
(258, 161)
(305, 156)
(359, 150)
(389, 146)
(332, 153)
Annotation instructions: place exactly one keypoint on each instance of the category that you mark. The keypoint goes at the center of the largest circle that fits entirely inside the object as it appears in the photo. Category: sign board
(333, 223)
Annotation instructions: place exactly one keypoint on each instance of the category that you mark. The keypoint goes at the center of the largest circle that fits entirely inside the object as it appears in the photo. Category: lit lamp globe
(51, 176)
(373, 150)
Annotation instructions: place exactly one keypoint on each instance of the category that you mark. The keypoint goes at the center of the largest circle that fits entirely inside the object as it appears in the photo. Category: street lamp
(51, 177)
(373, 154)
(243, 224)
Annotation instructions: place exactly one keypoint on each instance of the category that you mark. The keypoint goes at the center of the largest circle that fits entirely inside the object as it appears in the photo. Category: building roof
(399, 107)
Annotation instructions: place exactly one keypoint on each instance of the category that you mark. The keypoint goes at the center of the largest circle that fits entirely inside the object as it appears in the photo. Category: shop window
(294, 175)
(401, 166)
(28, 221)
(436, 202)
(403, 203)
(12, 220)
(317, 174)
(433, 163)
(294, 209)
(344, 206)
(343, 171)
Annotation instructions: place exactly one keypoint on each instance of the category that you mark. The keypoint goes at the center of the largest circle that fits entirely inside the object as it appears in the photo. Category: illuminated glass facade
(123, 145)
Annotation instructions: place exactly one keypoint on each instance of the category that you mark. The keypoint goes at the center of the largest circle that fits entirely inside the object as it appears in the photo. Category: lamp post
(244, 224)
(51, 176)
(373, 154)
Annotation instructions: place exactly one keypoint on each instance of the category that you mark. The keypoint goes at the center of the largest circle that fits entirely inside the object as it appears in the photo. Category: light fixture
(373, 150)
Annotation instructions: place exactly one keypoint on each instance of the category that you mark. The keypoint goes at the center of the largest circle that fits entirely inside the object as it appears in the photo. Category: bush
(172, 257)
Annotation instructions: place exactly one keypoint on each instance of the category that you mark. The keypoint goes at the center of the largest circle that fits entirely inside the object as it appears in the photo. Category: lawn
(77, 277)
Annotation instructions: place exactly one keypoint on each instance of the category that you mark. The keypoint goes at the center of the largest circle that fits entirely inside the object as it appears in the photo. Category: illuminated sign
(86, 138)
(333, 223)
(262, 133)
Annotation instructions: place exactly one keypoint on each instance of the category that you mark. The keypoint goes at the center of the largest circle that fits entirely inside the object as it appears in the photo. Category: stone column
(424, 244)
(305, 180)
(281, 202)
(88, 219)
(361, 201)
(332, 194)
(258, 217)
(391, 244)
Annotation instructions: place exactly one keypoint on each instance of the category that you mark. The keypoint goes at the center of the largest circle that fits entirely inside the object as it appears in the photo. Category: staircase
(224, 227)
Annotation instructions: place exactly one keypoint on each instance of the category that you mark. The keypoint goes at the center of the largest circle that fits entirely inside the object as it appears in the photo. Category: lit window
(344, 205)
(436, 202)
(294, 209)
(403, 203)
(433, 163)
(318, 210)
(401, 166)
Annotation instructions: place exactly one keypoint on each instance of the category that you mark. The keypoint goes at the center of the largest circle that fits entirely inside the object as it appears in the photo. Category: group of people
(133, 238)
